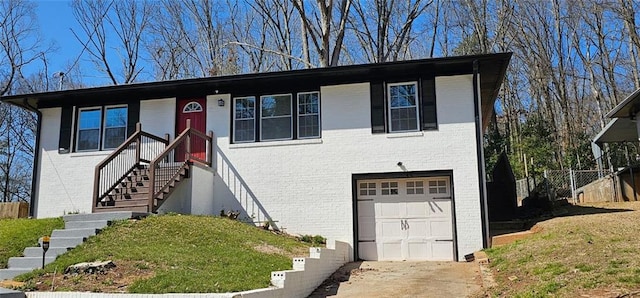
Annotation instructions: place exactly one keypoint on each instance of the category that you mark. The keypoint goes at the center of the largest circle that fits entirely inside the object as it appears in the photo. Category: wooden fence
(14, 210)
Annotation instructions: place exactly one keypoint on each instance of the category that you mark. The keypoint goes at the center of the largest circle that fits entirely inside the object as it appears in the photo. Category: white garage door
(405, 219)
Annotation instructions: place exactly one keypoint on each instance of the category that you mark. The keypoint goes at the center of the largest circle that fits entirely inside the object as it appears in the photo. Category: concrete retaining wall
(306, 276)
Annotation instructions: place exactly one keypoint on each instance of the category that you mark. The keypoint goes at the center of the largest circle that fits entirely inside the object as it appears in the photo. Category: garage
(405, 219)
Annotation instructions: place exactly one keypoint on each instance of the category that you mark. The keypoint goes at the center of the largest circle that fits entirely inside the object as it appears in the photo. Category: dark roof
(491, 67)
(628, 107)
(618, 130)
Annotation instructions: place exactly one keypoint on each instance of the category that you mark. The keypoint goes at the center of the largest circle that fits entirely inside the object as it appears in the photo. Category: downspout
(480, 155)
(36, 159)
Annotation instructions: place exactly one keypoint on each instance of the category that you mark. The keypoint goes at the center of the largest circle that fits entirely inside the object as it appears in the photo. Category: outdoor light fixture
(45, 246)
(221, 102)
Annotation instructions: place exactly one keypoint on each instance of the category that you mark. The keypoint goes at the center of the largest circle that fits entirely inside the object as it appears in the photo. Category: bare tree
(113, 32)
(325, 31)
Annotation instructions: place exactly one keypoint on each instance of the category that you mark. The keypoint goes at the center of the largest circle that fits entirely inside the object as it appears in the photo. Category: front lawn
(16, 234)
(592, 251)
(173, 254)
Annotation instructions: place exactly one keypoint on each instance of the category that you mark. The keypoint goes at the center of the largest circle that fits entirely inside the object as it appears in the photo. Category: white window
(244, 119)
(438, 187)
(389, 188)
(276, 119)
(115, 127)
(88, 136)
(415, 187)
(308, 115)
(192, 107)
(367, 189)
(403, 106)
(96, 132)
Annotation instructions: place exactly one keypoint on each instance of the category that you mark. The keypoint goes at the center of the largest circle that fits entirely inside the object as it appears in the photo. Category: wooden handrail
(170, 151)
(118, 174)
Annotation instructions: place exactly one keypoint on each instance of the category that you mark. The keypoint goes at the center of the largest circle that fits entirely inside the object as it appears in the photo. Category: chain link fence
(558, 184)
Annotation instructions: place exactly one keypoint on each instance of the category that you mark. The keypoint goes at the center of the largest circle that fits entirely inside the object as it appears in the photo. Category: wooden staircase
(132, 194)
(141, 174)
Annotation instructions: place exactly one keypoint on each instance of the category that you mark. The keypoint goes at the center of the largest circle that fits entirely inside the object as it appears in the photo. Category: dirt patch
(269, 249)
(114, 280)
(402, 279)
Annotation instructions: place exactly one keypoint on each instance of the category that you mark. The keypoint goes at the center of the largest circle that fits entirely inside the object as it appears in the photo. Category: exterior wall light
(221, 102)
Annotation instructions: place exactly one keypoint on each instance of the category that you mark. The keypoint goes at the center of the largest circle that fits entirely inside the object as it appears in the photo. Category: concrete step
(74, 233)
(28, 262)
(66, 241)
(13, 272)
(115, 215)
(7, 293)
(37, 251)
(90, 224)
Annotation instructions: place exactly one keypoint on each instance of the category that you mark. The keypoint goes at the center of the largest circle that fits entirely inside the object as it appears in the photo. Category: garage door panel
(368, 251)
(439, 208)
(412, 222)
(417, 228)
(391, 250)
(440, 229)
(390, 229)
(417, 209)
(389, 209)
(418, 250)
(442, 250)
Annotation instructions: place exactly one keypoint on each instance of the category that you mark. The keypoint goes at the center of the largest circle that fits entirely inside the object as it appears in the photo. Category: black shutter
(377, 108)
(133, 116)
(429, 113)
(64, 142)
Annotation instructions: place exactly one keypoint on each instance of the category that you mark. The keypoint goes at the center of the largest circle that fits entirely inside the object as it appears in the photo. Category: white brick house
(387, 157)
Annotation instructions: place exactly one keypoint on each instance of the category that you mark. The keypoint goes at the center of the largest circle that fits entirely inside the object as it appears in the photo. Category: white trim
(198, 107)
(298, 115)
(401, 134)
(104, 124)
(276, 144)
(273, 117)
(75, 145)
(233, 119)
(416, 107)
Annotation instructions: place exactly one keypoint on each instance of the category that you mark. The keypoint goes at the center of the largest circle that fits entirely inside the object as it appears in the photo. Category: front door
(193, 109)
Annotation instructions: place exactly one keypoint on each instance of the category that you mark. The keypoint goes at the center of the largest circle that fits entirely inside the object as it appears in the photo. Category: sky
(56, 20)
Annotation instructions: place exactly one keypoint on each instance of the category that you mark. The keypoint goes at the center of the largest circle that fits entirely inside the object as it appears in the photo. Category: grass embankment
(175, 253)
(16, 234)
(592, 250)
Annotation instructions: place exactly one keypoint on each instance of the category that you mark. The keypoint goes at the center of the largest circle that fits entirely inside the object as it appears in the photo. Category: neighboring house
(387, 157)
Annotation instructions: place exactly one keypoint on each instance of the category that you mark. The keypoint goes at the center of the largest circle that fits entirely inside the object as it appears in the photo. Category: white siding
(306, 185)
(66, 180)
(158, 116)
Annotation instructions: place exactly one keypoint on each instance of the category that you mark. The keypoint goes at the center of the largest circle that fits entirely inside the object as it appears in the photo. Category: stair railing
(188, 147)
(139, 148)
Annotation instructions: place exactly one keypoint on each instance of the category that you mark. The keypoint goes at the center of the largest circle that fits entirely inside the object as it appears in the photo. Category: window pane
(276, 105)
(309, 126)
(403, 119)
(402, 95)
(245, 108)
(116, 117)
(88, 139)
(276, 128)
(308, 103)
(89, 119)
(244, 130)
(114, 137)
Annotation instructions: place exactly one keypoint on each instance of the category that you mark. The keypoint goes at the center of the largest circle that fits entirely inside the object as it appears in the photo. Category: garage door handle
(444, 240)
(404, 224)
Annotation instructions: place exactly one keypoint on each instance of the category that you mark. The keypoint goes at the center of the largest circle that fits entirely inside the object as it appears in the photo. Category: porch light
(221, 102)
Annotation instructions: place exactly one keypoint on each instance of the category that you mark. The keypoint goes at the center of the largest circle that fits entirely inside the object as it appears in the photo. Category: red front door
(193, 109)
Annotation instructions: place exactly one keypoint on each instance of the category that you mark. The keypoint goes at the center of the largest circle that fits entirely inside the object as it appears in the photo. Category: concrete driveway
(402, 279)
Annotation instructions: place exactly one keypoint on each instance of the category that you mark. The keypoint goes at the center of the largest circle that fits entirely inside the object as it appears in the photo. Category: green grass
(181, 253)
(16, 234)
(578, 254)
